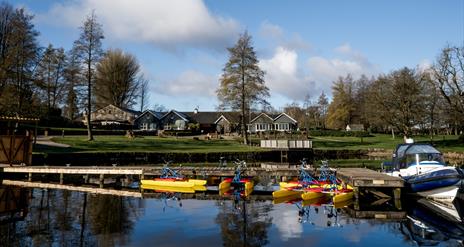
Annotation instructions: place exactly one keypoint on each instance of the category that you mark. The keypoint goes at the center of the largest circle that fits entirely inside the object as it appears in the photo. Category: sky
(303, 46)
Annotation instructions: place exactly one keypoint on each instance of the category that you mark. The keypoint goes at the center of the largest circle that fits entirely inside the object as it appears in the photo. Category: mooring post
(397, 196)
(102, 180)
(356, 192)
(397, 193)
(86, 178)
(30, 177)
(61, 178)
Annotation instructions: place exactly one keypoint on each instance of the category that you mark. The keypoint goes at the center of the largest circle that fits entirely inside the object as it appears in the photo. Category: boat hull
(442, 184)
(285, 193)
(167, 183)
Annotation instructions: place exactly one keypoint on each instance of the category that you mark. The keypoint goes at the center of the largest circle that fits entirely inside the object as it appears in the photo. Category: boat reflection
(431, 223)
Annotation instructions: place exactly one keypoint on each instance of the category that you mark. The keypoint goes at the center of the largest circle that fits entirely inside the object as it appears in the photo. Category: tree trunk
(244, 130)
(89, 97)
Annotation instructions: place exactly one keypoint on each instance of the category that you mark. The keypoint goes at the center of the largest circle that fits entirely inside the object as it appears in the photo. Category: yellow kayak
(249, 186)
(198, 181)
(224, 185)
(199, 188)
(289, 198)
(341, 197)
(184, 184)
(285, 193)
(158, 188)
(315, 201)
(312, 195)
(342, 204)
(284, 185)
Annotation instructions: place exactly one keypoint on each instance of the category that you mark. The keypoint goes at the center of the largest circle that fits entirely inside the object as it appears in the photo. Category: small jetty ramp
(371, 181)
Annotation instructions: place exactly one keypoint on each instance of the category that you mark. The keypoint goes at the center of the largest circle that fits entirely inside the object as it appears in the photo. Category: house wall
(173, 121)
(147, 122)
(223, 126)
(112, 113)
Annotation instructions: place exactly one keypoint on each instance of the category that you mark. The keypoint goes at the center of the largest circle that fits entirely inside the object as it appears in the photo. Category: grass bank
(442, 142)
(143, 144)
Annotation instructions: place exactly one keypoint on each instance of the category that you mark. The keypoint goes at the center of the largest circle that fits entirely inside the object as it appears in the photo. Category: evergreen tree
(88, 49)
(242, 82)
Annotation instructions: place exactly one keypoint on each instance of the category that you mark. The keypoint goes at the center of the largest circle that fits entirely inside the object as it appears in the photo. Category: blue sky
(302, 45)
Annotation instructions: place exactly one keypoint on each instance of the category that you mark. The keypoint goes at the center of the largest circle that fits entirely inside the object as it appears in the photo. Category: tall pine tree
(88, 48)
(242, 82)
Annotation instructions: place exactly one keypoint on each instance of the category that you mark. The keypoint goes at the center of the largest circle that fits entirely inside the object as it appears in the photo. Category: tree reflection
(66, 218)
(110, 219)
(244, 223)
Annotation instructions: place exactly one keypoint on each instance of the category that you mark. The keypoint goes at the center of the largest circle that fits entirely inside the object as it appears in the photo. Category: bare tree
(144, 94)
(18, 52)
(118, 80)
(449, 76)
(88, 48)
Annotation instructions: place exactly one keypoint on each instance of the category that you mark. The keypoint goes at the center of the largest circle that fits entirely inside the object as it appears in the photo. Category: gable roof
(157, 115)
(284, 114)
(179, 114)
(134, 112)
(231, 117)
(262, 113)
(202, 117)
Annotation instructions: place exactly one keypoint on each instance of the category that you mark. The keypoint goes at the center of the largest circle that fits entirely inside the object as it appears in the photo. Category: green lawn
(157, 144)
(144, 144)
(441, 142)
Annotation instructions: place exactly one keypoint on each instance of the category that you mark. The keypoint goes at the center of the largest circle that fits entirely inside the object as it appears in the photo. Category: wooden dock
(146, 170)
(361, 179)
(370, 180)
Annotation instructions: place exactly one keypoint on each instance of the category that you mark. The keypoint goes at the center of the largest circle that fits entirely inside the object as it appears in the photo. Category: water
(49, 217)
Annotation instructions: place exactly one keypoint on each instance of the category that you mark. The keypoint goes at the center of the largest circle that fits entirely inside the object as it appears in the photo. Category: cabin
(149, 121)
(265, 122)
(228, 122)
(112, 115)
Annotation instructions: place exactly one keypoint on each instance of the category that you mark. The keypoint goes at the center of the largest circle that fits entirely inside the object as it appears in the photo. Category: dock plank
(363, 177)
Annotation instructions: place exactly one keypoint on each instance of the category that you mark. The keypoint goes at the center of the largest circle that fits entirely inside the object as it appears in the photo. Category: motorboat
(425, 172)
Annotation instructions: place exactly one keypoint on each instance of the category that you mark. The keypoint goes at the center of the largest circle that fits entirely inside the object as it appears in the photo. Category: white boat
(425, 172)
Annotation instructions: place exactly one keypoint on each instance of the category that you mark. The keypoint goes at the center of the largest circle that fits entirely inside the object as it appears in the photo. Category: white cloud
(169, 24)
(285, 76)
(190, 84)
(270, 30)
(275, 34)
(282, 74)
(326, 70)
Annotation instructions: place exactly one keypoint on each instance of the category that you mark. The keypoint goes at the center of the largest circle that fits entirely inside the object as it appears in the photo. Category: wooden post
(61, 178)
(102, 180)
(397, 193)
(86, 178)
(356, 192)
(30, 177)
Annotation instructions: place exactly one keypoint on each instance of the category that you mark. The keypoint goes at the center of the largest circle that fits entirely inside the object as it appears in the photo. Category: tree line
(58, 85)
(403, 101)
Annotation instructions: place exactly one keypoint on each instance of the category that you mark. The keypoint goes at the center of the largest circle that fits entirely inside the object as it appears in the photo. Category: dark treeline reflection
(244, 223)
(64, 218)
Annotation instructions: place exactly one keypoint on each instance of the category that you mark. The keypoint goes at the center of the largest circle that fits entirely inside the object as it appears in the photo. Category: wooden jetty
(371, 181)
(73, 188)
(361, 179)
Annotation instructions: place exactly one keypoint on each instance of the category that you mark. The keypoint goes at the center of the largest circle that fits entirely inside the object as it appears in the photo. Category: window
(145, 126)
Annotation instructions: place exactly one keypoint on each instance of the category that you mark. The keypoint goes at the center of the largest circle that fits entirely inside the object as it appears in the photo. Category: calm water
(40, 217)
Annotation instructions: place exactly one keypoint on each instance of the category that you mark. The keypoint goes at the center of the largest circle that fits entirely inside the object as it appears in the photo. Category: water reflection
(49, 217)
(65, 218)
(244, 222)
(430, 223)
